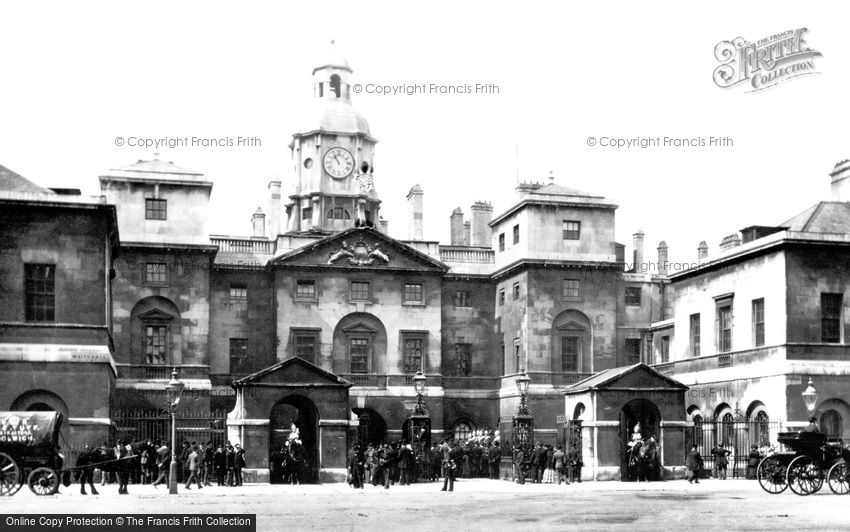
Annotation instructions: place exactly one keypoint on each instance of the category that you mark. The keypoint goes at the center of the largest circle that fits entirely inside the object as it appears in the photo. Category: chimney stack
(482, 213)
(702, 250)
(662, 258)
(414, 223)
(456, 226)
(258, 221)
(638, 252)
(274, 209)
(729, 242)
(840, 183)
(467, 232)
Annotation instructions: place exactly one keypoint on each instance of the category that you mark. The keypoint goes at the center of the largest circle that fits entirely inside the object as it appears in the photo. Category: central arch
(646, 413)
(302, 413)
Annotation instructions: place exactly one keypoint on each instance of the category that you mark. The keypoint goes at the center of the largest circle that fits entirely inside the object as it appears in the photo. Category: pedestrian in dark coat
(355, 467)
(405, 464)
(220, 464)
(230, 461)
(495, 456)
(753, 462)
(694, 465)
(720, 463)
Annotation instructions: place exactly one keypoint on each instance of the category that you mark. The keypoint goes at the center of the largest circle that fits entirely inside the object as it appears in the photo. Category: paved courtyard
(476, 505)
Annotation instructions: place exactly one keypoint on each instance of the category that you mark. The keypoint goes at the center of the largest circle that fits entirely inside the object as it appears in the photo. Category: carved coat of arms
(359, 254)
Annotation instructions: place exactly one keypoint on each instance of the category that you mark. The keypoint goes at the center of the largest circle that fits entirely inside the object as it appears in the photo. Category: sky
(74, 76)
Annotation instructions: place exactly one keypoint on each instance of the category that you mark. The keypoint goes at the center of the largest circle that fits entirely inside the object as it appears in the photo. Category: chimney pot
(482, 213)
(415, 222)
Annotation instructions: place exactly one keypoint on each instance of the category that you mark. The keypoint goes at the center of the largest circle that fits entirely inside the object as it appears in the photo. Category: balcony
(471, 383)
(467, 256)
(243, 245)
(161, 371)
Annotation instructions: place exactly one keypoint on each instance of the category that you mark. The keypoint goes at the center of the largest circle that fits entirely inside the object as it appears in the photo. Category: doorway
(299, 413)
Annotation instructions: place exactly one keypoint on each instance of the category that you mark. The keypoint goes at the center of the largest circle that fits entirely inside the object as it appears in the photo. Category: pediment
(359, 327)
(155, 315)
(634, 377)
(292, 372)
(359, 248)
(571, 326)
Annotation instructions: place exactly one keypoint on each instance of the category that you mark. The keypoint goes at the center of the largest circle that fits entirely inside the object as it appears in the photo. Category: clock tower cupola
(332, 157)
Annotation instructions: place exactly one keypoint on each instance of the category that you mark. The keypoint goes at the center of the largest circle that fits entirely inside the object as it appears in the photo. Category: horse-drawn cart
(809, 459)
(29, 450)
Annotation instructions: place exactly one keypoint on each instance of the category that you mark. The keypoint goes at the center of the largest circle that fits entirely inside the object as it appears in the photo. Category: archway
(572, 339)
(301, 413)
(833, 415)
(372, 427)
(359, 346)
(646, 413)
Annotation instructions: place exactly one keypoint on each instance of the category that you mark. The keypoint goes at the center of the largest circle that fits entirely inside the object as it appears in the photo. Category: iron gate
(737, 437)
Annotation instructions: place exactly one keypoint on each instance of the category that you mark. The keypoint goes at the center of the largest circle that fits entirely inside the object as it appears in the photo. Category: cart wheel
(839, 478)
(43, 481)
(771, 474)
(10, 475)
(804, 476)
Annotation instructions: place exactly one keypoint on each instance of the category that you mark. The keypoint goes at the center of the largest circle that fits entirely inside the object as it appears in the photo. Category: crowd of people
(197, 464)
(390, 463)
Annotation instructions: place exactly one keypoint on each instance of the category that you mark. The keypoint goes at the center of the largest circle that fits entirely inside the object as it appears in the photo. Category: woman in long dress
(549, 474)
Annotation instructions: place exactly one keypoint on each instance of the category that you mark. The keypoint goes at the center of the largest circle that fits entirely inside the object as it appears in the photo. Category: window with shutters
(695, 335)
(724, 323)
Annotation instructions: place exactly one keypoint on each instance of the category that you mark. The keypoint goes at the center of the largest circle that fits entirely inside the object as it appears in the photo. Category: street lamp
(810, 397)
(172, 391)
(419, 385)
(522, 383)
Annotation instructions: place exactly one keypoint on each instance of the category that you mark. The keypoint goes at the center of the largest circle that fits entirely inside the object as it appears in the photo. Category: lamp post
(522, 383)
(173, 390)
(419, 427)
(810, 397)
(419, 385)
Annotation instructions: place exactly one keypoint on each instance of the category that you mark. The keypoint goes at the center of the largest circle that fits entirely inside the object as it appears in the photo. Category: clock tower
(332, 157)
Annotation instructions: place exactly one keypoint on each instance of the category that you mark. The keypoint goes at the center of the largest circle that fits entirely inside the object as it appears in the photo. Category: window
(359, 291)
(306, 213)
(412, 293)
(502, 297)
(632, 296)
(830, 307)
(463, 360)
(156, 348)
(831, 425)
(695, 335)
(413, 355)
(359, 354)
(238, 292)
(758, 322)
(725, 325)
(516, 234)
(40, 288)
(632, 350)
(462, 431)
(462, 299)
(516, 291)
(156, 272)
(338, 213)
(569, 353)
(306, 345)
(155, 209)
(570, 289)
(665, 349)
(516, 355)
(239, 356)
(305, 289)
(572, 230)
(335, 85)
(502, 242)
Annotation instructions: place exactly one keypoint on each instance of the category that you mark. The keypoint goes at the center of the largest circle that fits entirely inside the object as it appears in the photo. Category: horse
(122, 459)
(641, 459)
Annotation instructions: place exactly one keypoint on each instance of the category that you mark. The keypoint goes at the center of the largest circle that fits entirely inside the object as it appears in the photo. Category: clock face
(338, 162)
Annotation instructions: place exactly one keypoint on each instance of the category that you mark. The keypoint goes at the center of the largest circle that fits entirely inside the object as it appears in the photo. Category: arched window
(762, 429)
(579, 411)
(462, 430)
(728, 429)
(831, 424)
(698, 428)
(336, 85)
(338, 213)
